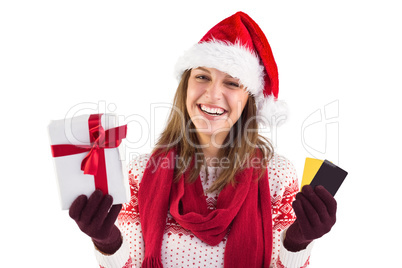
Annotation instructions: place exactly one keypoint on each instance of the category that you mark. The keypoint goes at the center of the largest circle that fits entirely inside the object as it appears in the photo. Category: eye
(233, 84)
(202, 77)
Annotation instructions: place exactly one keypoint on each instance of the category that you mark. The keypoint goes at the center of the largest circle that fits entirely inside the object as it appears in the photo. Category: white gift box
(71, 179)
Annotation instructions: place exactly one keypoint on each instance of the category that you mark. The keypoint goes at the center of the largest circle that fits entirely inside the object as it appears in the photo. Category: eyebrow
(203, 69)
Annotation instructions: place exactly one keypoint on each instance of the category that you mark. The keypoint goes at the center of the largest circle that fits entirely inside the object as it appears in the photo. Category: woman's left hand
(315, 211)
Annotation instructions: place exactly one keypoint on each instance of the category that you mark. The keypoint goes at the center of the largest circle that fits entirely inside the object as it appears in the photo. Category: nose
(214, 91)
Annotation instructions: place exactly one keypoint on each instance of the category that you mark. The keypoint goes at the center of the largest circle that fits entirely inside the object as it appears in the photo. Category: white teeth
(217, 111)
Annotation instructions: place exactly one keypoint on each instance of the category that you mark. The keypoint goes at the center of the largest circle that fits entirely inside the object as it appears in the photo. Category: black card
(330, 176)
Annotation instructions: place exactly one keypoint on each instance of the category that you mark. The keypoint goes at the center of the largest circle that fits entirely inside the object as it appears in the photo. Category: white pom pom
(271, 112)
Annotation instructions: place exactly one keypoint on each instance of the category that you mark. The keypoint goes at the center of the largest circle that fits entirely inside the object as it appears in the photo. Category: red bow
(94, 161)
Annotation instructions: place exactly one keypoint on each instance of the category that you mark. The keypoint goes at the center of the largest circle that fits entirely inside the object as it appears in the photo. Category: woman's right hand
(95, 216)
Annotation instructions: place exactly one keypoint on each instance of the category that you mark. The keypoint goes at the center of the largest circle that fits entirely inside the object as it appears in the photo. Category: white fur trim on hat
(233, 59)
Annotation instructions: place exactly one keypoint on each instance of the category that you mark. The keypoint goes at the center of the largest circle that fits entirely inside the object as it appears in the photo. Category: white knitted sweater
(181, 248)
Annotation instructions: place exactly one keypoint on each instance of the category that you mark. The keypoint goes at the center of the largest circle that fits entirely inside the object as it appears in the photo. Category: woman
(213, 193)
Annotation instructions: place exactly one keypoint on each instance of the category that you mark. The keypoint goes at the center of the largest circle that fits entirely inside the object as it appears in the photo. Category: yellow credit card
(311, 166)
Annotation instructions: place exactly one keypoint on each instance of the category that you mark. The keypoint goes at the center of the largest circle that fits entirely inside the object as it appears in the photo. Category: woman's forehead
(209, 70)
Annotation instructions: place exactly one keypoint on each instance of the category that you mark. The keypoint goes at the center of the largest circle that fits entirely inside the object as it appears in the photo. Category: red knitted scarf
(245, 210)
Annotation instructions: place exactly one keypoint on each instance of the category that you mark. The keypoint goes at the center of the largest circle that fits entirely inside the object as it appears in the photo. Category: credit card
(330, 176)
(311, 166)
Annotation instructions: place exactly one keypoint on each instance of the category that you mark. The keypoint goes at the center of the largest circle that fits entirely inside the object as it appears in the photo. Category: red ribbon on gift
(94, 162)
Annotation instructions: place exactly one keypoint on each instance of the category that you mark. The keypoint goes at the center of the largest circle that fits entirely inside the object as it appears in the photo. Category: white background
(59, 58)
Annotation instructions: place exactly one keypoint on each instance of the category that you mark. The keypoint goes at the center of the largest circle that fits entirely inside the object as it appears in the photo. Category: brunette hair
(241, 144)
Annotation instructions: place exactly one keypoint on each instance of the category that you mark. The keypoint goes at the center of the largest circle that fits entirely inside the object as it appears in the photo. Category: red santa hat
(238, 46)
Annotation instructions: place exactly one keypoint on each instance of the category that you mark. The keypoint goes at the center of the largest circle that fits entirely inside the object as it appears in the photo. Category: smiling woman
(235, 208)
(194, 132)
(214, 102)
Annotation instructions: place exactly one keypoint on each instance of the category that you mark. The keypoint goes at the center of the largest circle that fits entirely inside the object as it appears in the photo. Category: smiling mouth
(212, 111)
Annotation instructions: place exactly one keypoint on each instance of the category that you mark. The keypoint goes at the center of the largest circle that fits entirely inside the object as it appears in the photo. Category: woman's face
(215, 101)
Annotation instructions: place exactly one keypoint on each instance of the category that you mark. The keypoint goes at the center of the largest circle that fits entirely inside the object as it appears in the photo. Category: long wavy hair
(241, 145)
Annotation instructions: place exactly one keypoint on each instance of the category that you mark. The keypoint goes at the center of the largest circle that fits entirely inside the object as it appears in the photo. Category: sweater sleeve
(284, 186)
(131, 252)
